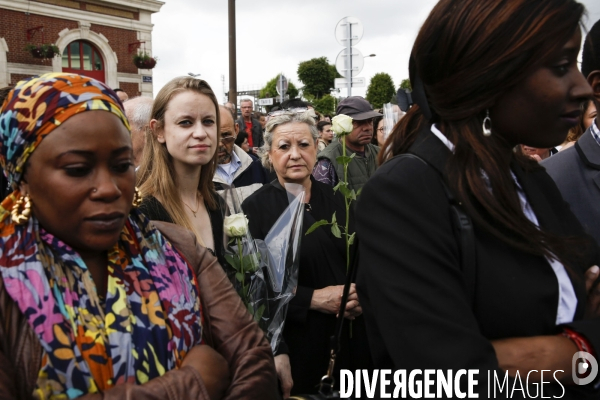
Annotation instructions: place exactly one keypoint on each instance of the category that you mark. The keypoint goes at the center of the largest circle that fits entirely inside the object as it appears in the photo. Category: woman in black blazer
(486, 76)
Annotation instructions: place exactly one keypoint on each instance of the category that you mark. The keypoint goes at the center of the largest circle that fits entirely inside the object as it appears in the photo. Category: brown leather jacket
(228, 328)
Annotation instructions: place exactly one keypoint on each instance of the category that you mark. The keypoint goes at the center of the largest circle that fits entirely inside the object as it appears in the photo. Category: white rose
(341, 124)
(235, 225)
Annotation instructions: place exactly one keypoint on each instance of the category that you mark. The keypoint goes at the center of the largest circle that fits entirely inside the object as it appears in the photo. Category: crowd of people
(477, 223)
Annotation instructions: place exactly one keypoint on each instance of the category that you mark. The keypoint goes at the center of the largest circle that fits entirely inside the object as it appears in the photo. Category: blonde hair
(157, 176)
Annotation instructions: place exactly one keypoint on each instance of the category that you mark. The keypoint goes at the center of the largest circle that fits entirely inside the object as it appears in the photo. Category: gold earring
(137, 198)
(21, 217)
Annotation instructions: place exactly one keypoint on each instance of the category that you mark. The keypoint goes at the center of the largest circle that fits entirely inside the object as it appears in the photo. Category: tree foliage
(325, 105)
(318, 77)
(380, 90)
(270, 89)
(405, 84)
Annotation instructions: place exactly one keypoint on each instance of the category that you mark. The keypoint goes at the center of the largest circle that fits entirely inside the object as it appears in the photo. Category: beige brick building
(97, 38)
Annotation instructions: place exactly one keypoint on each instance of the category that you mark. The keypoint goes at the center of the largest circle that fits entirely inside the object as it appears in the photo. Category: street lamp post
(232, 54)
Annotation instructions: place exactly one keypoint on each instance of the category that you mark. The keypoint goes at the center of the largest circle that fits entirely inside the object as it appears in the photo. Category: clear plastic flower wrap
(265, 272)
(391, 116)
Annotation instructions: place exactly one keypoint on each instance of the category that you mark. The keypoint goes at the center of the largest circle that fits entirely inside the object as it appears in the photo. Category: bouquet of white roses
(264, 272)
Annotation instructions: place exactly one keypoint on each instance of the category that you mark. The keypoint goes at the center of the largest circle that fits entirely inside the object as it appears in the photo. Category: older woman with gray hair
(291, 150)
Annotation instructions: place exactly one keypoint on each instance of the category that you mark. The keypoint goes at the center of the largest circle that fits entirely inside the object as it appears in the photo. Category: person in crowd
(328, 170)
(232, 107)
(250, 125)
(379, 136)
(537, 154)
(96, 301)
(576, 169)
(242, 141)
(138, 111)
(235, 167)
(291, 149)
(586, 119)
(508, 286)
(180, 159)
(262, 119)
(123, 96)
(325, 134)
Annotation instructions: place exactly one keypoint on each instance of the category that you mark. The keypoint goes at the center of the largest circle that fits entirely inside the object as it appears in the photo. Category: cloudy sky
(273, 37)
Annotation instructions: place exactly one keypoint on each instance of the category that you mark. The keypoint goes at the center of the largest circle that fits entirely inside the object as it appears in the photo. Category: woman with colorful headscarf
(94, 300)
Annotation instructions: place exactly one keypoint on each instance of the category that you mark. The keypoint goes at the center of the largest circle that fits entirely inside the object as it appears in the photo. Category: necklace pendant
(194, 214)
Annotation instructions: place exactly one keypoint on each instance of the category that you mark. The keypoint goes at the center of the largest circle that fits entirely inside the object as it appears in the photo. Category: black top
(410, 281)
(322, 264)
(157, 212)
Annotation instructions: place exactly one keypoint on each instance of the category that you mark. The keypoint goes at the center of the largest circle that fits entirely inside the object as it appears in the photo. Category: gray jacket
(576, 172)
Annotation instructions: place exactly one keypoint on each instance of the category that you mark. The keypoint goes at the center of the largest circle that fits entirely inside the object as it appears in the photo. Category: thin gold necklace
(197, 205)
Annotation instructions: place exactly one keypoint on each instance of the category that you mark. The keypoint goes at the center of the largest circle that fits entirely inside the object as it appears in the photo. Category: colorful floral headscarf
(151, 315)
(36, 106)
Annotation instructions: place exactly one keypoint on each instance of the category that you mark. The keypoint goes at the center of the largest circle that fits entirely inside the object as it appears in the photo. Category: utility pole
(232, 55)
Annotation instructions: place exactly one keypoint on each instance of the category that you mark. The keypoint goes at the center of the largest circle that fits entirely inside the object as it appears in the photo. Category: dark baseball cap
(357, 108)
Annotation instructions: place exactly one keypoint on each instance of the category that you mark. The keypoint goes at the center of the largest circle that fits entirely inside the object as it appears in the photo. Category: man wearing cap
(360, 169)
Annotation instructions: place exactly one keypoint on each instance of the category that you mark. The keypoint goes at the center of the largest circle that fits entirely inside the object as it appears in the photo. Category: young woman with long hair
(511, 294)
(180, 158)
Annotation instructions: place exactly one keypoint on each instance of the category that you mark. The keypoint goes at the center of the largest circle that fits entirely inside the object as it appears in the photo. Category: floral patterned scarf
(151, 316)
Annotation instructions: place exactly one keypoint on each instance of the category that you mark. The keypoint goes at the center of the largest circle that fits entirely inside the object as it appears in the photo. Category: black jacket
(155, 211)
(411, 286)
(322, 263)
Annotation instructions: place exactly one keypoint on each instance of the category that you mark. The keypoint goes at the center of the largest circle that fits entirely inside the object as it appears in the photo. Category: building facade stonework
(97, 38)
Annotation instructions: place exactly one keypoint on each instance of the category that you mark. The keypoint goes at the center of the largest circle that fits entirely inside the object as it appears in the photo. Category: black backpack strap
(464, 232)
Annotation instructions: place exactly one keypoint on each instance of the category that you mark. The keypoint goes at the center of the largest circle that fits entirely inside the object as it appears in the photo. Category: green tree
(270, 89)
(318, 77)
(325, 105)
(405, 84)
(380, 90)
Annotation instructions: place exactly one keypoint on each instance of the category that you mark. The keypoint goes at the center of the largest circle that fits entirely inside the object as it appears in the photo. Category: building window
(83, 58)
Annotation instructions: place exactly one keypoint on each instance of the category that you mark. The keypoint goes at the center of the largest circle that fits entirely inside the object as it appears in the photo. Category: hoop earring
(21, 217)
(137, 198)
(487, 124)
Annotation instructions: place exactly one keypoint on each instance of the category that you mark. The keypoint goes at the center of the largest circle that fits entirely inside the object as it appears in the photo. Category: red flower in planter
(45, 51)
(144, 61)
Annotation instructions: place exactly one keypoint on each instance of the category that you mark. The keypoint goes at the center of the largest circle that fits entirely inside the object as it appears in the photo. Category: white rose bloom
(341, 124)
(235, 225)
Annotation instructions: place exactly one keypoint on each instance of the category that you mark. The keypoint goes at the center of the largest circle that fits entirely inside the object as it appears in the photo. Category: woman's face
(590, 115)
(245, 145)
(380, 133)
(327, 133)
(190, 128)
(293, 152)
(540, 110)
(81, 181)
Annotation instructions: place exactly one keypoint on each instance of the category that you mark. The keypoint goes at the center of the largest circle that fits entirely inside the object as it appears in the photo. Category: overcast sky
(273, 37)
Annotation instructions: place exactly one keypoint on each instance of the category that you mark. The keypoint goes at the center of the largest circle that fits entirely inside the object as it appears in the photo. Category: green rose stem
(347, 201)
(342, 186)
(241, 256)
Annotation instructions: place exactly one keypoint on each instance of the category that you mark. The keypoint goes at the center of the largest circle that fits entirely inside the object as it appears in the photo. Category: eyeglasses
(380, 129)
(227, 138)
